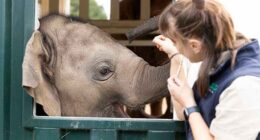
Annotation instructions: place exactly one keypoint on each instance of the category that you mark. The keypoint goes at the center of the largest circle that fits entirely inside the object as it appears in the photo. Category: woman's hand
(181, 92)
(165, 44)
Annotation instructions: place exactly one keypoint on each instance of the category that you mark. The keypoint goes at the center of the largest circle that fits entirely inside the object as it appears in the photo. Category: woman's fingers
(175, 80)
(159, 47)
(180, 91)
(162, 37)
(173, 86)
(160, 40)
(165, 44)
(157, 40)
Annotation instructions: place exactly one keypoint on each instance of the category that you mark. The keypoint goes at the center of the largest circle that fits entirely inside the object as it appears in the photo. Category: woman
(224, 103)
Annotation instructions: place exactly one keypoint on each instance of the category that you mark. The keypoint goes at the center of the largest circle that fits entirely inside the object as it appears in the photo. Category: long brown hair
(206, 20)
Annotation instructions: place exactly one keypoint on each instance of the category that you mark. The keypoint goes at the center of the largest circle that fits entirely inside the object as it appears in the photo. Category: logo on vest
(213, 88)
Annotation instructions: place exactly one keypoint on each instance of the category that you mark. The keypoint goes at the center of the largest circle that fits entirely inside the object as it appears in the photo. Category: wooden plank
(141, 43)
(118, 24)
(54, 6)
(44, 8)
(116, 30)
(114, 10)
(84, 9)
(62, 6)
(145, 9)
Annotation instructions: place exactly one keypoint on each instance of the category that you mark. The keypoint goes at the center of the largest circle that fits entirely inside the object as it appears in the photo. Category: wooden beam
(114, 6)
(44, 7)
(62, 6)
(141, 43)
(84, 9)
(118, 24)
(115, 30)
(145, 9)
(54, 6)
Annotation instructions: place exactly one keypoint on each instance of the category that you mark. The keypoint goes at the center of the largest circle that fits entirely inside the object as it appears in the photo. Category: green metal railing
(5, 43)
(17, 121)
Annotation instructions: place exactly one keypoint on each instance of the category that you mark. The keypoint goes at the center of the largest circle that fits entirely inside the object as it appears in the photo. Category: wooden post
(145, 9)
(62, 6)
(44, 7)
(84, 9)
(114, 6)
(54, 6)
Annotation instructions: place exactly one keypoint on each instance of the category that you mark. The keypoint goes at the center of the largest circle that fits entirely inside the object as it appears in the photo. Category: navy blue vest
(247, 63)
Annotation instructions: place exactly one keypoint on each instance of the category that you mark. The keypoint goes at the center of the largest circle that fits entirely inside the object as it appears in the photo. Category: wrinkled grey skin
(75, 69)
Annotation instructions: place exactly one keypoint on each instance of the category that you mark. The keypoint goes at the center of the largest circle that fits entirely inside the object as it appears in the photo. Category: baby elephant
(75, 69)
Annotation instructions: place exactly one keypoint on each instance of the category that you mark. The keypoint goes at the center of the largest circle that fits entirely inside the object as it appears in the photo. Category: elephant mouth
(121, 111)
(113, 110)
(160, 109)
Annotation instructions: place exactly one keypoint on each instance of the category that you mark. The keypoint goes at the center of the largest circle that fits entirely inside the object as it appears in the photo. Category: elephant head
(75, 69)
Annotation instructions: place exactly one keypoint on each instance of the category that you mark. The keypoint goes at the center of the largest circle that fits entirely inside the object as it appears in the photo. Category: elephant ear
(35, 81)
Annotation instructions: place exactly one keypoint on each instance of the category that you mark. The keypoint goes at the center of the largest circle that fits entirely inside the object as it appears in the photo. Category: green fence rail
(5, 49)
(17, 121)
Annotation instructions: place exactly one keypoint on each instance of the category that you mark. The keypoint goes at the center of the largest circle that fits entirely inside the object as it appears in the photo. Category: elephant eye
(104, 71)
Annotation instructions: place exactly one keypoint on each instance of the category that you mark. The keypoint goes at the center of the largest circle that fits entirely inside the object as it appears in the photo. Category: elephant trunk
(147, 27)
(150, 84)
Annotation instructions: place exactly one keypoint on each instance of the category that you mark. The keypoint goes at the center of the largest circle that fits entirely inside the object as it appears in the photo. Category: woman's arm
(166, 45)
(183, 94)
(200, 130)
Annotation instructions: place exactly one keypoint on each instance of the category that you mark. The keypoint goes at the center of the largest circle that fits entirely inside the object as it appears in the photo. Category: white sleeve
(238, 111)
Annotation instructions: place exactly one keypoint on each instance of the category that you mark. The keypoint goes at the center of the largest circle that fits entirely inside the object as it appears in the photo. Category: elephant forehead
(82, 33)
(81, 59)
(75, 58)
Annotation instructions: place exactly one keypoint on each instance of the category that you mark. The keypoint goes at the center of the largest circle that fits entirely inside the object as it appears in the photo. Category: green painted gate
(17, 121)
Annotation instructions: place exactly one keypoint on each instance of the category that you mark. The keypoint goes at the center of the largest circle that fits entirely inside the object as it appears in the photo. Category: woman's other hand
(165, 44)
(181, 92)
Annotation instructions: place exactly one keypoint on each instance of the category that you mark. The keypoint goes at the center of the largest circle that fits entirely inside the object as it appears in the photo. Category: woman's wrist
(190, 104)
(172, 54)
(176, 58)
